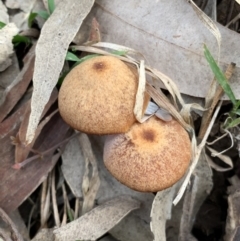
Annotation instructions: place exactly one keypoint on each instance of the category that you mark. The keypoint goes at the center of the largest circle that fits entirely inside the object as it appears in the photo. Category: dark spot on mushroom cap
(99, 66)
(148, 135)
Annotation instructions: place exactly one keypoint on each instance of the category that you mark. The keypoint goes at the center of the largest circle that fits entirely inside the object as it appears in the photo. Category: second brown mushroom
(150, 157)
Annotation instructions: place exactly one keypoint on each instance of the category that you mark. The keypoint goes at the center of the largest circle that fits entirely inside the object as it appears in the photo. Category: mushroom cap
(98, 96)
(150, 157)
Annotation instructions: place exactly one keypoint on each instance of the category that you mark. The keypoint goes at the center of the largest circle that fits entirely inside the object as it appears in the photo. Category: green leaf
(2, 25)
(43, 14)
(17, 39)
(31, 18)
(119, 52)
(234, 123)
(70, 215)
(51, 6)
(72, 57)
(84, 59)
(220, 77)
(237, 112)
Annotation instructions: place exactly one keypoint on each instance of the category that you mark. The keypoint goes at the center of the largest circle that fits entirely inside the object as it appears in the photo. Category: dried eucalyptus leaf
(56, 35)
(73, 166)
(110, 188)
(199, 188)
(98, 221)
(161, 212)
(131, 228)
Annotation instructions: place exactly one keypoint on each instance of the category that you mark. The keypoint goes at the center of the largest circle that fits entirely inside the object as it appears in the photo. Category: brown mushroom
(98, 96)
(150, 157)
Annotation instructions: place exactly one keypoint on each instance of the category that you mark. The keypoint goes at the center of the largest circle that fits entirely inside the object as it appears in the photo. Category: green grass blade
(31, 18)
(17, 39)
(72, 57)
(2, 24)
(234, 123)
(119, 52)
(43, 14)
(220, 77)
(51, 6)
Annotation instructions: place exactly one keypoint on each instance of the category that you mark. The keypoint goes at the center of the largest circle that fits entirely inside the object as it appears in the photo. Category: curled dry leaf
(56, 35)
(98, 221)
(225, 159)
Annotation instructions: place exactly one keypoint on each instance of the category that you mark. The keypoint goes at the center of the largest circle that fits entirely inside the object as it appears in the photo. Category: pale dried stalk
(46, 207)
(43, 200)
(30, 217)
(65, 199)
(77, 208)
(54, 200)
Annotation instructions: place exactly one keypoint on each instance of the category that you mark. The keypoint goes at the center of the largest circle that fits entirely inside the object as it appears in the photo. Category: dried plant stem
(41, 154)
(77, 208)
(54, 200)
(218, 94)
(30, 217)
(197, 155)
(64, 219)
(43, 199)
(46, 204)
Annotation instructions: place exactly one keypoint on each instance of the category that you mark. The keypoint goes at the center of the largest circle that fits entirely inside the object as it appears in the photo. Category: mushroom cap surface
(98, 96)
(150, 157)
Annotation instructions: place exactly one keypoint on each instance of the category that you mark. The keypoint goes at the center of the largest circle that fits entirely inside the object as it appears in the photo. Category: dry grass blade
(138, 108)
